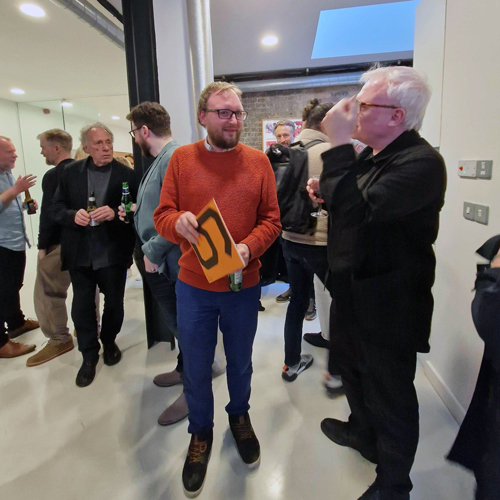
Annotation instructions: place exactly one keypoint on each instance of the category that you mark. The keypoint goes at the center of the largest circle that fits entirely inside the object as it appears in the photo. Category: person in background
(124, 161)
(152, 132)
(96, 247)
(306, 254)
(384, 218)
(130, 158)
(51, 284)
(13, 239)
(241, 181)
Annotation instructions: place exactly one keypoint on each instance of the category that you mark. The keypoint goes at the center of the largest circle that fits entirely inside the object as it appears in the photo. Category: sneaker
(290, 373)
(317, 340)
(343, 434)
(311, 312)
(195, 466)
(28, 325)
(168, 379)
(246, 440)
(284, 297)
(332, 383)
(50, 351)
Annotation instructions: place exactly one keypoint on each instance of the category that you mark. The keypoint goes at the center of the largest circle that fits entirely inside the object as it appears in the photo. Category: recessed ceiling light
(32, 10)
(115, 117)
(67, 104)
(18, 91)
(270, 40)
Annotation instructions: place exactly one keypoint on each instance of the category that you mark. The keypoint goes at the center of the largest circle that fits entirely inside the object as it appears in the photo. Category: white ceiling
(239, 25)
(59, 56)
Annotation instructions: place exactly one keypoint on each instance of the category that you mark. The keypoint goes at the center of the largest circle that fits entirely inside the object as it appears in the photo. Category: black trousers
(163, 291)
(303, 262)
(111, 282)
(379, 385)
(12, 265)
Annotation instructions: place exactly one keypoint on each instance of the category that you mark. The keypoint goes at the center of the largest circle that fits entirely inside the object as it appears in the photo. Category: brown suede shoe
(168, 379)
(29, 324)
(177, 411)
(14, 349)
(50, 351)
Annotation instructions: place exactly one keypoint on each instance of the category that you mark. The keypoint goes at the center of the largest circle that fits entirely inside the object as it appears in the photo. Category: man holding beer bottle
(242, 182)
(96, 247)
(13, 239)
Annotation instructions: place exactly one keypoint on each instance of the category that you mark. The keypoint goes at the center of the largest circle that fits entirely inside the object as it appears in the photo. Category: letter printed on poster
(215, 250)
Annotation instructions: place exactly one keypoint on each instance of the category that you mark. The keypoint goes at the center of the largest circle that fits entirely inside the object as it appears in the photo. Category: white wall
(174, 67)
(470, 117)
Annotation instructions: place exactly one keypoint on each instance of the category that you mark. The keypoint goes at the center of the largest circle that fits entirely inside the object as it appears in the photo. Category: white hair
(85, 132)
(407, 87)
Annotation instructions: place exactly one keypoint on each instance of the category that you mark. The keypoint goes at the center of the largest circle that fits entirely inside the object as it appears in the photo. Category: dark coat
(72, 195)
(384, 215)
(477, 446)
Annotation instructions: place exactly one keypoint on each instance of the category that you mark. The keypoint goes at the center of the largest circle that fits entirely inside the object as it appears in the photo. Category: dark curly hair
(314, 112)
(153, 115)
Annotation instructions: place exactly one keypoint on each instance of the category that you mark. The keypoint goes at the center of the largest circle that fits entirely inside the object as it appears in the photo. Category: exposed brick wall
(284, 104)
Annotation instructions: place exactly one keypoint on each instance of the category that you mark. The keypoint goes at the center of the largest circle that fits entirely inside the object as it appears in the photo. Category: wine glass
(319, 213)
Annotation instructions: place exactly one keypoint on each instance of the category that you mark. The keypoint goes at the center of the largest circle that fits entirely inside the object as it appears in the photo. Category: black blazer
(384, 216)
(72, 195)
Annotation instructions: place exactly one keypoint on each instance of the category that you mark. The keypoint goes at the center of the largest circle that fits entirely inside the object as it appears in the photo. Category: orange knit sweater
(242, 183)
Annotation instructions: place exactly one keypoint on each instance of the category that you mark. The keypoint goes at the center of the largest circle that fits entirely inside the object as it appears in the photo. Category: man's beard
(218, 140)
(146, 150)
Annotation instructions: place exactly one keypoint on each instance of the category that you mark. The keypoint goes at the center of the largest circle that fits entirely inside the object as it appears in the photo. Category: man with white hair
(384, 208)
(96, 248)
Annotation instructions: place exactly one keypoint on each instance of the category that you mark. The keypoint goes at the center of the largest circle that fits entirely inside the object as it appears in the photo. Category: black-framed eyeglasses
(371, 105)
(131, 132)
(227, 114)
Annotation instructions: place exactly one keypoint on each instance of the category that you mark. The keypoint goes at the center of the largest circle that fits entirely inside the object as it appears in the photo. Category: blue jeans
(199, 313)
(303, 262)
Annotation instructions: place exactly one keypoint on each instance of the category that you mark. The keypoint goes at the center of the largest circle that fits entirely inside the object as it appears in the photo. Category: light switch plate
(484, 169)
(469, 210)
(481, 213)
(467, 168)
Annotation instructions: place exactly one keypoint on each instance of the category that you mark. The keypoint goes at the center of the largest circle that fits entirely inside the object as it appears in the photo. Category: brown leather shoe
(29, 324)
(14, 349)
(50, 351)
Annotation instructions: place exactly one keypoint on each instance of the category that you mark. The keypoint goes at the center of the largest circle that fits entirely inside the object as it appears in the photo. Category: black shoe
(86, 373)
(342, 434)
(246, 440)
(261, 307)
(316, 339)
(374, 492)
(112, 354)
(195, 466)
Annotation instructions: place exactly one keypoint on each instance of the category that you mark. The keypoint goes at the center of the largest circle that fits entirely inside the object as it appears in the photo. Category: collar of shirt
(403, 141)
(210, 147)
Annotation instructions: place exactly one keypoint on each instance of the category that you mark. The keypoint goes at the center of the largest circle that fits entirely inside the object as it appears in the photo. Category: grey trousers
(51, 290)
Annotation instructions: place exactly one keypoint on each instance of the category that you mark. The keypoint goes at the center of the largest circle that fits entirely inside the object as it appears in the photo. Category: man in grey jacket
(151, 131)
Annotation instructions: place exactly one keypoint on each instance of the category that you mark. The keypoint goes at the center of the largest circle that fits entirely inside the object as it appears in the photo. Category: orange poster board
(215, 250)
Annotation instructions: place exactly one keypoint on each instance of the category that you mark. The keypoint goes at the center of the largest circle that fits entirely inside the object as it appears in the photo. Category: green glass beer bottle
(236, 281)
(91, 206)
(126, 203)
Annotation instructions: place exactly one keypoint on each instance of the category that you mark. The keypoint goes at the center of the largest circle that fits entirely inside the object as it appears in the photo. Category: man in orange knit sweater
(241, 181)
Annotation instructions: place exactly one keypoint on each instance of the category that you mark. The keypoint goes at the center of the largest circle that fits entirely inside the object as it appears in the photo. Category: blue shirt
(12, 229)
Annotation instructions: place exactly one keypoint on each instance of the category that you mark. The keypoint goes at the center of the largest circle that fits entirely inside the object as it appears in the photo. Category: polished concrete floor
(60, 442)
